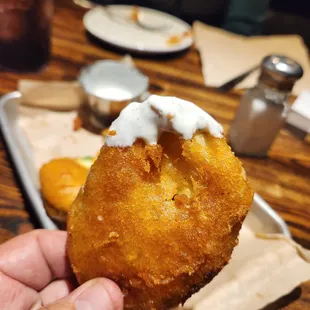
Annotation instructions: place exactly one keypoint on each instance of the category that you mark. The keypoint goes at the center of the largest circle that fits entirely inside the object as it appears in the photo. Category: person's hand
(35, 273)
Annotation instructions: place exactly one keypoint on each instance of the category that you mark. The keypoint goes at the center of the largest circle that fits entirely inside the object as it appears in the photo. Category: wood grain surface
(283, 179)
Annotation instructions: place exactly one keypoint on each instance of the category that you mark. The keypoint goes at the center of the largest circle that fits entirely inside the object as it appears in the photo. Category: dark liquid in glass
(25, 27)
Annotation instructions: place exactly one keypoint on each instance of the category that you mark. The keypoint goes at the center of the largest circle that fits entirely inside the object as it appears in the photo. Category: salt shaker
(263, 109)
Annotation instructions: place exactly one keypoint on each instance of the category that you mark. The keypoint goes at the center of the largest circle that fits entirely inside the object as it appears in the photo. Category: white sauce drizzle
(148, 120)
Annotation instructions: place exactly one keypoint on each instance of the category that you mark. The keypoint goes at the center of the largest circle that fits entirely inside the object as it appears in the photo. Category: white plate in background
(113, 25)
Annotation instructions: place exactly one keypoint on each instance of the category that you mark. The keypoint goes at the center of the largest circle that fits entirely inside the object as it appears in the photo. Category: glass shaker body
(261, 115)
(25, 28)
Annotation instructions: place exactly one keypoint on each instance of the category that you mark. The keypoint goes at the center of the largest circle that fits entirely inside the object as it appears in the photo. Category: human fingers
(15, 295)
(97, 294)
(57, 290)
(36, 258)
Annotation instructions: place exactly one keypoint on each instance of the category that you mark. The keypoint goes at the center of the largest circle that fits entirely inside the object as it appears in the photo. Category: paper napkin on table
(299, 115)
(262, 269)
(225, 55)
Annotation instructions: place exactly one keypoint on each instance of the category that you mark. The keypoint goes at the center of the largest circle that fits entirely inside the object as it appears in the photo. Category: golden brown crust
(61, 180)
(160, 220)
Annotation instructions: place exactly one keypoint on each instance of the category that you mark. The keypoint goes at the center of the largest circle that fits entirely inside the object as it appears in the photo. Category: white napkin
(299, 115)
(225, 55)
(262, 269)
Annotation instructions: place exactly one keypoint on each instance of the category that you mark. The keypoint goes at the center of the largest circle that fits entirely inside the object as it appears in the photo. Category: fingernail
(37, 305)
(94, 297)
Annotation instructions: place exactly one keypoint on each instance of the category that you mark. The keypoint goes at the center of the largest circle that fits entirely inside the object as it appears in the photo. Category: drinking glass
(25, 30)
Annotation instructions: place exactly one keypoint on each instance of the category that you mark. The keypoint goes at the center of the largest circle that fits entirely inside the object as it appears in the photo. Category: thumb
(97, 294)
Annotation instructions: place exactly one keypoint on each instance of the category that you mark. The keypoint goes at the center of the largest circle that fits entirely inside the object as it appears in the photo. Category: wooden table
(283, 179)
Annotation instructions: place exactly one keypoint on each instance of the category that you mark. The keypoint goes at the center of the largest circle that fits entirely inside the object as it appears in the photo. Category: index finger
(36, 258)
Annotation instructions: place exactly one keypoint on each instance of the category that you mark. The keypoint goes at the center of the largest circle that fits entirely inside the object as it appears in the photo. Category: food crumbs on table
(187, 33)
(174, 40)
(77, 123)
(134, 13)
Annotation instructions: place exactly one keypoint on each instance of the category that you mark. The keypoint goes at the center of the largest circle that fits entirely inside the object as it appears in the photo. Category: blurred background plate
(114, 25)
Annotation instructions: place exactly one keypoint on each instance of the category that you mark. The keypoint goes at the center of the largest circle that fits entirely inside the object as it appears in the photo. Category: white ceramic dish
(110, 86)
(113, 81)
(262, 218)
(112, 24)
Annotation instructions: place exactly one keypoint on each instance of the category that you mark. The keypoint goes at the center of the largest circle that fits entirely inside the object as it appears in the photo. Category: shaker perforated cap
(280, 71)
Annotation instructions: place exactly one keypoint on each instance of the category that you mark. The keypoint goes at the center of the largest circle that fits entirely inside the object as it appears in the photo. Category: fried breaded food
(160, 220)
(61, 180)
